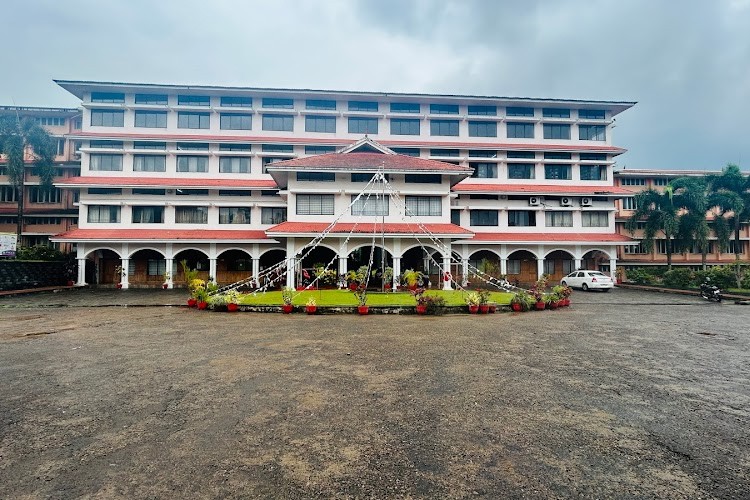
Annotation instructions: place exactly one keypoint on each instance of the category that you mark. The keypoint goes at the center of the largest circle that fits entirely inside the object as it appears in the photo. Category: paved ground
(627, 394)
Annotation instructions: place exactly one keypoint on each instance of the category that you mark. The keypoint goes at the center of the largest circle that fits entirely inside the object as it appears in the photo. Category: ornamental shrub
(39, 252)
(641, 276)
(679, 278)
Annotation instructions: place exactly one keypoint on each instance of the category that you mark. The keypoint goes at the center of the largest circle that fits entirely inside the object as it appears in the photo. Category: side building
(234, 180)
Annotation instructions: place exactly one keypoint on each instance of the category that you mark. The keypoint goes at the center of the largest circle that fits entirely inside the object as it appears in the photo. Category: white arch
(523, 250)
(324, 245)
(219, 254)
(497, 254)
(427, 246)
(368, 245)
(89, 252)
(204, 252)
(572, 255)
(271, 250)
(160, 252)
(583, 255)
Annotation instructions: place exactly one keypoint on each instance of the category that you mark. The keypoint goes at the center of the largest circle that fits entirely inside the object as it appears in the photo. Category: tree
(23, 141)
(693, 227)
(730, 192)
(659, 212)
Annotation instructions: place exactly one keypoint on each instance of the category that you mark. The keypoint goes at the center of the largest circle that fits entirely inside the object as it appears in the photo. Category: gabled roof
(366, 145)
(540, 189)
(192, 182)
(390, 228)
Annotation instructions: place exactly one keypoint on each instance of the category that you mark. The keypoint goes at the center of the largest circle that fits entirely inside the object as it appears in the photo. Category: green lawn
(347, 298)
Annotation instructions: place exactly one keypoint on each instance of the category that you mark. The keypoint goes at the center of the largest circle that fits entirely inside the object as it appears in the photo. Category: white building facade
(235, 180)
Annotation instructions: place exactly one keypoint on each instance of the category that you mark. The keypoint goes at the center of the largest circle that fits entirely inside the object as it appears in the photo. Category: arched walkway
(319, 257)
(101, 266)
(195, 259)
(522, 267)
(232, 266)
(485, 261)
(147, 268)
(595, 260)
(558, 264)
(268, 260)
(361, 257)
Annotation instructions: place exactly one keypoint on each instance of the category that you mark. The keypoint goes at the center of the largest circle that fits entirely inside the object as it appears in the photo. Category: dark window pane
(194, 100)
(405, 107)
(403, 126)
(443, 109)
(363, 106)
(236, 102)
(483, 110)
(444, 127)
(320, 104)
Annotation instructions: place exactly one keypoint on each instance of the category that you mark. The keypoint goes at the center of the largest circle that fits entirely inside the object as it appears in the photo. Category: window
(277, 148)
(158, 146)
(234, 165)
(443, 109)
(558, 219)
(156, 267)
(592, 132)
(629, 204)
(280, 123)
(557, 155)
(60, 149)
(407, 151)
(360, 125)
(557, 172)
(7, 194)
(662, 245)
(316, 176)
(151, 119)
(234, 192)
(193, 120)
(423, 178)
(269, 192)
(520, 171)
(526, 155)
(555, 113)
(483, 197)
(245, 148)
(519, 111)
(483, 217)
(593, 172)
(453, 153)
(160, 99)
(192, 192)
(50, 121)
(104, 191)
(320, 104)
(482, 153)
(456, 217)
(424, 205)
(234, 215)
(444, 127)
(192, 164)
(591, 114)
(236, 102)
(103, 162)
(324, 124)
(107, 118)
(593, 157)
(265, 161)
(514, 266)
(404, 126)
(557, 131)
(278, 103)
(191, 215)
(521, 218)
(272, 215)
(103, 214)
(363, 177)
(633, 181)
(733, 245)
(634, 249)
(484, 170)
(42, 221)
(319, 150)
(148, 215)
(482, 129)
(38, 194)
(114, 97)
(149, 192)
(193, 100)
(235, 121)
(149, 163)
(315, 204)
(370, 206)
(520, 130)
(595, 219)
(192, 146)
(483, 110)
(363, 106)
(405, 107)
(105, 144)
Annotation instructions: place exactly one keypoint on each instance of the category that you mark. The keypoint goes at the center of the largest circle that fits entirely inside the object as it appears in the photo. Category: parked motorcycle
(710, 292)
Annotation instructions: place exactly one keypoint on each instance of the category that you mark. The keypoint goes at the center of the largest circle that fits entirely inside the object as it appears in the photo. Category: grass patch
(332, 298)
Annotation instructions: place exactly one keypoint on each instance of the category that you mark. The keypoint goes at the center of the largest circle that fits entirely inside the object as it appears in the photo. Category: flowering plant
(232, 297)
(472, 298)
(419, 296)
(484, 296)
(311, 302)
(287, 294)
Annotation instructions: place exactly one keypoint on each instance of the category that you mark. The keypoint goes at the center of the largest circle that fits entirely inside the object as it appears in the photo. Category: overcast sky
(686, 62)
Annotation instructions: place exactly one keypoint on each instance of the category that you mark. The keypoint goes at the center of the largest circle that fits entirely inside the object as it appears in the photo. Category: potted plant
(410, 278)
(521, 301)
(201, 296)
(484, 297)
(118, 276)
(619, 275)
(435, 304)
(311, 306)
(538, 292)
(232, 298)
(472, 300)
(193, 286)
(421, 299)
(566, 293)
(165, 284)
(287, 294)
(351, 280)
(361, 294)
(388, 279)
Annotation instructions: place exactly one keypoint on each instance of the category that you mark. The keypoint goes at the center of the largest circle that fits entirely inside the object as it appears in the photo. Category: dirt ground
(623, 395)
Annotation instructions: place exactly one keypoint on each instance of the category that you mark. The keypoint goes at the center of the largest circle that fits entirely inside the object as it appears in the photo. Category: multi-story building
(46, 212)
(631, 256)
(235, 180)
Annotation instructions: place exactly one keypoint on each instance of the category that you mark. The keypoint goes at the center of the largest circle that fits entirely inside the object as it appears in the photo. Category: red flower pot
(232, 307)
(202, 305)
(540, 306)
(70, 283)
(192, 302)
(388, 287)
(473, 309)
(300, 288)
(484, 308)
(118, 286)
(311, 309)
(493, 308)
(352, 286)
(552, 304)
(287, 308)
(363, 310)
(516, 307)
(164, 286)
(412, 287)
(421, 308)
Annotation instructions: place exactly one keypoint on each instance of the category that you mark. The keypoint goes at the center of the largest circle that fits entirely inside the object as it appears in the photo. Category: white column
(613, 268)
(504, 266)
(342, 268)
(125, 263)
(212, 269)
(256, 271)
(396, 272)
(291, 272)
(81, 272)
(170, 280)
(539, 268)
(446, 269)
(465, 272)
(578, 262)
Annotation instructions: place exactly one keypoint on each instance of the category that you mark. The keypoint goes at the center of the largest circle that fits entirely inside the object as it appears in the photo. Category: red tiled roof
(539, 189)
(561, 237)
(161, 234)
(161, 181)
(359, 161)
(366, 228)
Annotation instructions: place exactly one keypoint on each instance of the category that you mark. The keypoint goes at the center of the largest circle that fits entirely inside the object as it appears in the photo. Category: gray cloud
(686, 63)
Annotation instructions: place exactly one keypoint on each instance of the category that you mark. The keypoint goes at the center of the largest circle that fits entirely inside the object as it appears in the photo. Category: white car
(588, 280)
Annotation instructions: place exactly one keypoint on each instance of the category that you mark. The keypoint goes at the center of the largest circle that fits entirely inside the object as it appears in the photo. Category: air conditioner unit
(586, 202)
(566, 202)
(535, 201)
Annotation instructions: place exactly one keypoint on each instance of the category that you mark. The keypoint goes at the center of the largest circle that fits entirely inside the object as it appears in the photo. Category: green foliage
(524, 299)
(679, 278)
(188, 274)
(287, 294)
(722, 276)
(435, 304)
(325, 276)
(410, 277)
(641, 276)
(39, 252)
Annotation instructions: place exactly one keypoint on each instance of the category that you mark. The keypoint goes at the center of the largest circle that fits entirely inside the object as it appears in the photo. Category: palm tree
(659, 212)
(23, 141)
(691, 194)
(730, 192)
